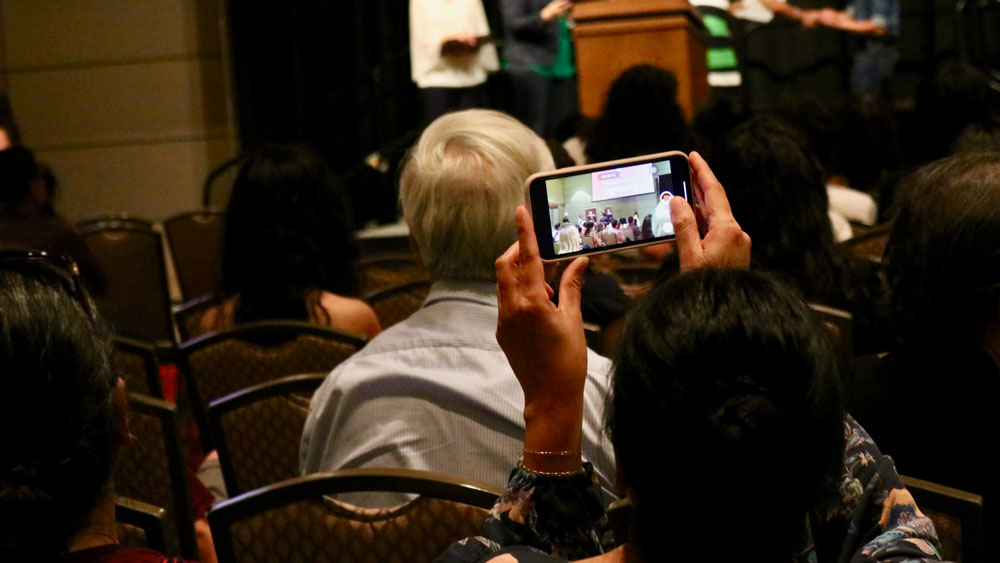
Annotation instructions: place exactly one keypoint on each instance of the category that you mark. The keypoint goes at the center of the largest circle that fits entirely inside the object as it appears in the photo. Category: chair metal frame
(423, 483)
(150, 360)
(219, 408)
(263, 333)
(147, 517)
(166, 413)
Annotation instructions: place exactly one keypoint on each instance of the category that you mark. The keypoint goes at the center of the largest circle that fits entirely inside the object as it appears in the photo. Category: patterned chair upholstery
(395, 303)
(957, 517)
(385, 270)
(195, 239)
(140, 525)
(257, 431)
(296, 521)
(151, 469)
(220, 363)
(138, 364)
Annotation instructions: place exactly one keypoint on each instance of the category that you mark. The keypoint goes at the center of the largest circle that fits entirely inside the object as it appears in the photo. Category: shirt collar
(479, 291)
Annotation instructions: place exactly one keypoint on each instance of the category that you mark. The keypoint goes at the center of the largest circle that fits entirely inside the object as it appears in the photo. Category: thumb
(686, 230)
(571, 286)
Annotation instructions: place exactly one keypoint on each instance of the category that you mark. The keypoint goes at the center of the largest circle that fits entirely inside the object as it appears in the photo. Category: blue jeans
(872, 65)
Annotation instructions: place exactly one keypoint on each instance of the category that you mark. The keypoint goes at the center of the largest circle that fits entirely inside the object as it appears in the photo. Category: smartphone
(607, 206)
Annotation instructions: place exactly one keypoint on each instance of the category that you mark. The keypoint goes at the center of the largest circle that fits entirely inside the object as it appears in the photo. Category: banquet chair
(136, 301)
(151, 469)
(957, 517)
(138, 364)
(188, 315)
(140, 525)
(384, 270)
(395, 303)
(840, 325)
(219, 363)
(257, 526)
(871, 244)
(195, 240)
(257, 431)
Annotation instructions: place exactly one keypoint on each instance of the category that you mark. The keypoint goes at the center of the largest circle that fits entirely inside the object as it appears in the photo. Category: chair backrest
(140, 525)
(395, 303)
(138, 364)
(957, 516)
(609, 238)
(137, 300)
(195, 240)
(219, 363)
(384, 270)
(255, 526)
(870, 244)
(257, 431)
(151, 469)
(840, 323)
(188, 315)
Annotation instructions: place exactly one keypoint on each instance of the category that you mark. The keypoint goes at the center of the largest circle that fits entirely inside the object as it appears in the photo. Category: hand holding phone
(607, 206)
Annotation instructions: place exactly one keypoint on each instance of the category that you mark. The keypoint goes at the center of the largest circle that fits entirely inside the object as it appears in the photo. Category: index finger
(716, 204)
(529, 260)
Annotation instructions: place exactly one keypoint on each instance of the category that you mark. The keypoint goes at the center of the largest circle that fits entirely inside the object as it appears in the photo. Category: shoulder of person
(349, 314)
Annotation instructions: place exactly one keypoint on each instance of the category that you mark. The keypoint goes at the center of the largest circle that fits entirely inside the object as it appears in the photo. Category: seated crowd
(725, 417)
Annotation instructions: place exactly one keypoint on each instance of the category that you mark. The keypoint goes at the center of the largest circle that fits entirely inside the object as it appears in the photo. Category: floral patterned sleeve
(883, 523)
(545, 518)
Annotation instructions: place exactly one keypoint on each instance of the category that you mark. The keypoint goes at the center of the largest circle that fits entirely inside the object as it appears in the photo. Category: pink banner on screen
(622, 182)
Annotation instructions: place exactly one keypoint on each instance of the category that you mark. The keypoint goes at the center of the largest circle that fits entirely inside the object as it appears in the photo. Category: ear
(125, 436)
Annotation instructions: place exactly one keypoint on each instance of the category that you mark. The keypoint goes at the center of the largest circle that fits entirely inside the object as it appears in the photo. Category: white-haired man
(435, 392)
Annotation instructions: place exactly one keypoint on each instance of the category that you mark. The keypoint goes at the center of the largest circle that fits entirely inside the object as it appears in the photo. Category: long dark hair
(725, 370)
(640, 116)
(288, 232)
(57, 409)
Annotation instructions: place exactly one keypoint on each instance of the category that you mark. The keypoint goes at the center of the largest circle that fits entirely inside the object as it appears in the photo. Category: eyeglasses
(53, 267)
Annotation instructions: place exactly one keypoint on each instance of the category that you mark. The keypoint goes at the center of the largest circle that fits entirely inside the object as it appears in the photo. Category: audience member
(641, 115)
(24, 222)
(569, 238)
(776, 188)
(288, 247)
(434, 391)
(64, 414)
(451, 54)
(943, 261)
(737, 415)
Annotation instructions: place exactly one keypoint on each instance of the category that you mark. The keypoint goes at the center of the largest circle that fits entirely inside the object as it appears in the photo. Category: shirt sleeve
(540, 518)
(885, 522)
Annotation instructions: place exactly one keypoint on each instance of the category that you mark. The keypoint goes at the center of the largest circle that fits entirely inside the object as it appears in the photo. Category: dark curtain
(334, 75)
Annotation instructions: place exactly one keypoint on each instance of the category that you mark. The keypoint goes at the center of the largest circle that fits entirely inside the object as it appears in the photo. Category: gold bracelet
(520, 463)
(565, 453)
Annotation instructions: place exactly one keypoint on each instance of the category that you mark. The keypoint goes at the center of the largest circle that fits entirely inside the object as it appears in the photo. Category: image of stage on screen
(611, 207)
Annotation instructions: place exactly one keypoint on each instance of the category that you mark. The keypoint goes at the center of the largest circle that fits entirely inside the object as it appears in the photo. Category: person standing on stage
(878, 20)
(451, 53)
(539, 56)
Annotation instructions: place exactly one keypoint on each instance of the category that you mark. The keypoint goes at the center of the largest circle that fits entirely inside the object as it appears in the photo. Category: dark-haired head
(729, 372)
(640, 116)
(18, 170)
(776, 189)
(59, 411)
(943, 256)
(288, 232)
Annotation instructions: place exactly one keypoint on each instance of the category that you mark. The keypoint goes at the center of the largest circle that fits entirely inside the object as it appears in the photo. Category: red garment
(119, 554)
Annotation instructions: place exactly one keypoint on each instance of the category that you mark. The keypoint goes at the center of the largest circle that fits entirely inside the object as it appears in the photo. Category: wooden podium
(613, 35)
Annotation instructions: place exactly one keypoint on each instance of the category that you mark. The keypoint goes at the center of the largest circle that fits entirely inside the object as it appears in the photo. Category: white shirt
(433, 21)
(854, 205)
(435, 392)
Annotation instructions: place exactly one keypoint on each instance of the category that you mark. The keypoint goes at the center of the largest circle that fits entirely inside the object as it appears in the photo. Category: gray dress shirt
(436, 393)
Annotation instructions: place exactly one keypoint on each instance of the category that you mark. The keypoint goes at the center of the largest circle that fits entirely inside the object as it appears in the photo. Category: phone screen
(607, 206)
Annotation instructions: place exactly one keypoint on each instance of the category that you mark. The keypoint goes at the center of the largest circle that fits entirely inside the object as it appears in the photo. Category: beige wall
(124, 99)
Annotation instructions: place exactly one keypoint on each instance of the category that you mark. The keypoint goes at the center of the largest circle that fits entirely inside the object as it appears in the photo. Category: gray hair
(459, 188)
